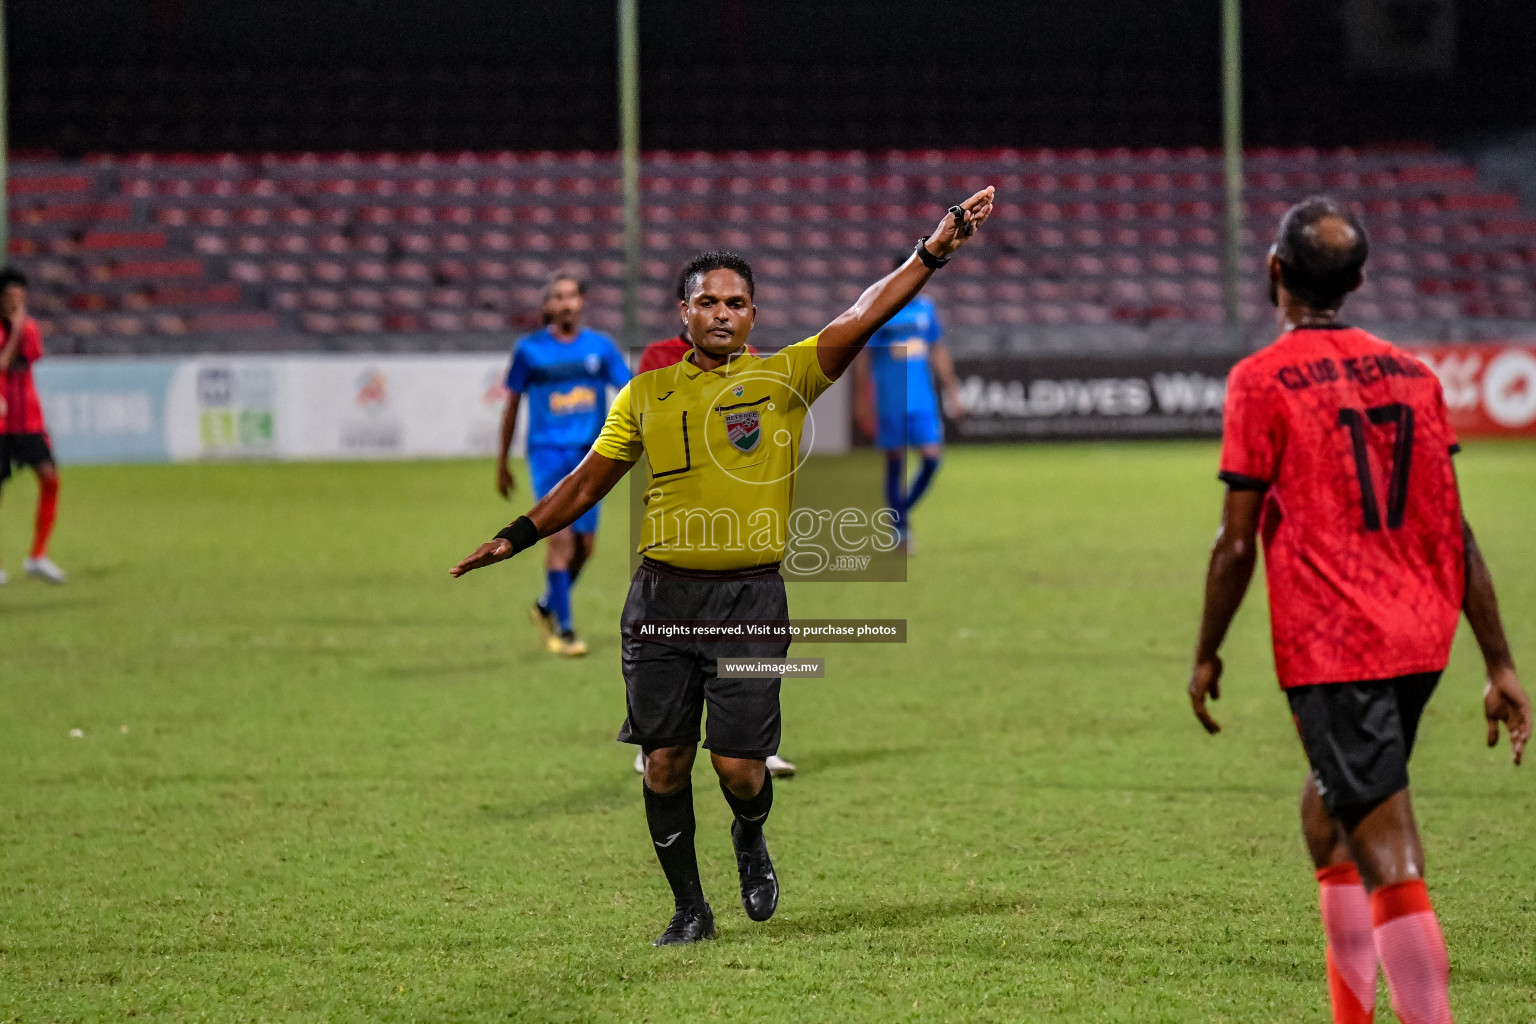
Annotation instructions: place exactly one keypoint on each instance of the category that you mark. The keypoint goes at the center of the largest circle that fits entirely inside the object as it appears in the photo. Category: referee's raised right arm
(841, 341)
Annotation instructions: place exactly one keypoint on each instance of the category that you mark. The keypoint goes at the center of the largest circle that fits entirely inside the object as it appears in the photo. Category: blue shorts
(548, 466)
(910, 429)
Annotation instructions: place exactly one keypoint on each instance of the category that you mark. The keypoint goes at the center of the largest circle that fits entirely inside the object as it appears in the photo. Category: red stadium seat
(1149, 219)
(320, 323)
(362, 323)
(126, 325)
(405, 297)
(1123, 264)
(372, 271)
(365, 298)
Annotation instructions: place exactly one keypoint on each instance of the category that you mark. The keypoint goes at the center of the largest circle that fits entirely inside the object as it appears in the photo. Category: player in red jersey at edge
(658, 355)
(23, 437)
(1337, 451)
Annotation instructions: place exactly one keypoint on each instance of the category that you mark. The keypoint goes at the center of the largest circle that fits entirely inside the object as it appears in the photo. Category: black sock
(753, 812)
(670, 816)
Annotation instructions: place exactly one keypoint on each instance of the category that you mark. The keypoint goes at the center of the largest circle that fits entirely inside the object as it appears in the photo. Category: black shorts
(668, 684)
(1359, 736)
(29, 450)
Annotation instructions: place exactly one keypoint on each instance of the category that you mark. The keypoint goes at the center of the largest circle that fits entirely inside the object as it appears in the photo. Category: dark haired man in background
(23, 436)
(565, 369)
(1338, 451)
(721, 430)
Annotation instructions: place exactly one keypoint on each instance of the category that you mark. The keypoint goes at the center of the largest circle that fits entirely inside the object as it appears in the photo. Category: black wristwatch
(930, 261)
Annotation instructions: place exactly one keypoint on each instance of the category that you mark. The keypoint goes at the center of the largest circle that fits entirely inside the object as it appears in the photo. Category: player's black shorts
(668, 683)
(1359, 736)
(29, 450)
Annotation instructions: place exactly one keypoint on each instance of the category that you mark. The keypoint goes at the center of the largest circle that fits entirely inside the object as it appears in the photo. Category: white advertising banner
(311, 407)
(281, 407)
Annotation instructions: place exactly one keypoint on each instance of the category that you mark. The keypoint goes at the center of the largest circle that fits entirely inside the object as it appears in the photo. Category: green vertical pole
(5, 155)
(629, 155)
(1232, 146)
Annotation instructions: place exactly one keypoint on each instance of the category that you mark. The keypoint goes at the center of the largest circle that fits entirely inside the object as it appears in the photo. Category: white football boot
(43, 569)
(778, 767)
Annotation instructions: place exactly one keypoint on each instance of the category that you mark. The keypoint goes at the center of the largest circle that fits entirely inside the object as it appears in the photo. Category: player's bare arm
(1504, 699)
(13, 341)
(505, 482)
(841, 341)
(18, 318)
(586, 485)
(1226, 581)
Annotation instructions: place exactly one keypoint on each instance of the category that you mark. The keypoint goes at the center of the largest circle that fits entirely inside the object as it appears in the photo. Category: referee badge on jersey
(744, 430)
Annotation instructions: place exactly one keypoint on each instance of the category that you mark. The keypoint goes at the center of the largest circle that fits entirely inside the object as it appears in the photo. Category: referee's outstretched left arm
(583, 487)
(841, 341)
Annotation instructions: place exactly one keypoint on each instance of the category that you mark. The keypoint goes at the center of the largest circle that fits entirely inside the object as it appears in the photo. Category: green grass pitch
(319, 781)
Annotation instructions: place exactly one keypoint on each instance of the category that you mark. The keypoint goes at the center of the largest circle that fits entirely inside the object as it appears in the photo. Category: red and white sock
(1412, 952)
(1351, 947)
(47, 508)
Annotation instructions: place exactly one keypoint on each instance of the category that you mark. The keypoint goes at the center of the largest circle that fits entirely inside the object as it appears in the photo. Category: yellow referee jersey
(723, 447)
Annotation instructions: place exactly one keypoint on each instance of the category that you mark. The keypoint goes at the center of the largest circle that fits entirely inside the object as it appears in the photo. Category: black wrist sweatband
(521, 534)
(930, 261)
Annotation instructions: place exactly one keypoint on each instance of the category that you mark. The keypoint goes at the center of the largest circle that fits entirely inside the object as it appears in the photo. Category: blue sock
(558, 597)
(895, 500)
(925, 473)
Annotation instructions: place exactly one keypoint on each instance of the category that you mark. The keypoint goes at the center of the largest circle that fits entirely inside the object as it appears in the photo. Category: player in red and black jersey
(23, 437)
(1337, 452)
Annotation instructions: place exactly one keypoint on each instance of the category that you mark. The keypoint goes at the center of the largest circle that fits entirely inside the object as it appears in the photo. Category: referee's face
(718, 314)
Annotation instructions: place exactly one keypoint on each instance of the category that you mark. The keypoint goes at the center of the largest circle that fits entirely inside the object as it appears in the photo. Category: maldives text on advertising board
(1489, 388)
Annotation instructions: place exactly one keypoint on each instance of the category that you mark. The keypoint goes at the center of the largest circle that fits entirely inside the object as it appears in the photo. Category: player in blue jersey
(564, 371)
(904, 357)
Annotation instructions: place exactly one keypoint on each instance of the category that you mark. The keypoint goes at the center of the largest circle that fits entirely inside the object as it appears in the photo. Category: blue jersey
(565, 384)
(899, 357)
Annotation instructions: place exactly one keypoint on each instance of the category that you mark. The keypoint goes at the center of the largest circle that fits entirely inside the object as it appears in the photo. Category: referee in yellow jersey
(721, 432)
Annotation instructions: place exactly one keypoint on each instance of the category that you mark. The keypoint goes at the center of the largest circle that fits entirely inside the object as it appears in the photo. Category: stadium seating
(1099, 248)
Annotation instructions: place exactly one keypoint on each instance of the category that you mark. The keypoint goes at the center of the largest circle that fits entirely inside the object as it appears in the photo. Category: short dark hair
(704, 262)
(564, 275)
(10, 276)
(1315, 271)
